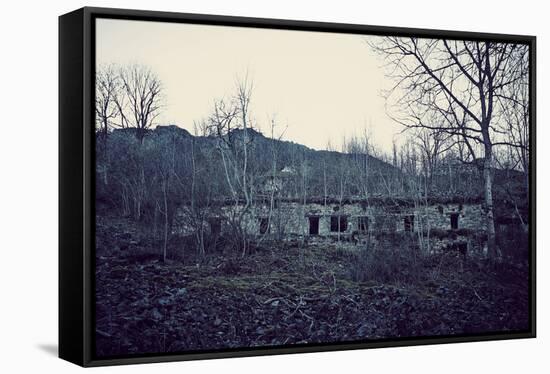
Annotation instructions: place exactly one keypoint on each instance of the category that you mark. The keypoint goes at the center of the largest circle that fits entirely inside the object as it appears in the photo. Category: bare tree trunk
(244, 93)
(339, 216)
(165, 221)
(105, 152)
(488, 193)
(274, 185)
(198, 231)
(325, 181)
(304, 198)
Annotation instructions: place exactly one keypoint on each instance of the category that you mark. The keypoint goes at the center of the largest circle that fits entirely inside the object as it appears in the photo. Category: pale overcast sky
(320, 86)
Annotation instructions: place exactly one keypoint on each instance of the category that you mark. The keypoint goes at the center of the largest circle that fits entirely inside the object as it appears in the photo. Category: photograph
(263, 187)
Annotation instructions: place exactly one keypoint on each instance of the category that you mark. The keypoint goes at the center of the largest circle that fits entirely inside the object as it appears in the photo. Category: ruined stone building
(363, 217)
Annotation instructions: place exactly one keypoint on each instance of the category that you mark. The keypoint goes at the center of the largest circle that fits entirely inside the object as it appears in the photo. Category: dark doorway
(313, 225)
(408, 223)
(454, 221)
(264, 225)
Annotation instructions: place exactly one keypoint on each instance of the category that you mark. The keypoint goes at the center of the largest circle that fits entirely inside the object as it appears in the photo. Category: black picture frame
(76, 181)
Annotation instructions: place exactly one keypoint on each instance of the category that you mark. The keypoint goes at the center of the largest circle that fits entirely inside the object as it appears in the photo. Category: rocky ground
(285, 294)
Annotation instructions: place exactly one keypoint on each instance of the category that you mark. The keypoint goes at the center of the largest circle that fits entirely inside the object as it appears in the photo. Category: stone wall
(296, 219)
(469, 216)
(363, 223)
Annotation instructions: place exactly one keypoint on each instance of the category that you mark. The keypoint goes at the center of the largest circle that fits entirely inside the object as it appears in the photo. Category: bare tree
(431, 145)
(359, 148)
(107, 86)
(460, 81)
(516, 116)
(230, 123)
(142, 94)
(274, 183)
(244, 94)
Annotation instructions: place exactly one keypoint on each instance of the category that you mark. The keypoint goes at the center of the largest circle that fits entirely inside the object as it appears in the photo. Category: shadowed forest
(226, 234)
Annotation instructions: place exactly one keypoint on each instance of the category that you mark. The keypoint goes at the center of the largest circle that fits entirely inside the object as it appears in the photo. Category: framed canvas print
(237, 186)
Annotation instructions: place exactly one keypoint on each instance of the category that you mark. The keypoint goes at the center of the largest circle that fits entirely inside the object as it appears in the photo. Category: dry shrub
(394, 259)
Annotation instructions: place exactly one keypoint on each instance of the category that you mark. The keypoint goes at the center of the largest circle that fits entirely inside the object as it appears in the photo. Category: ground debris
(289, 296)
